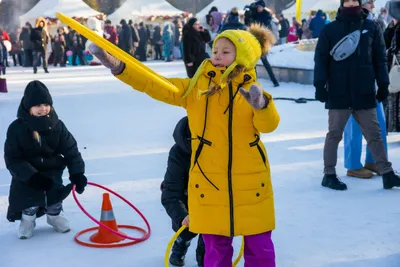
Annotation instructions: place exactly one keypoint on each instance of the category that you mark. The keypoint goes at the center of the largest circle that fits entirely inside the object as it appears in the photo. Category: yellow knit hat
(248, 49)
(250, 46)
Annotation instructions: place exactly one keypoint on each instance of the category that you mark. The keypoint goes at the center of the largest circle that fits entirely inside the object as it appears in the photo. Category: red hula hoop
(136, 240)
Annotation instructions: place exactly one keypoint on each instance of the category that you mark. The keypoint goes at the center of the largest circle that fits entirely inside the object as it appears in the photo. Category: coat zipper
(230, 121)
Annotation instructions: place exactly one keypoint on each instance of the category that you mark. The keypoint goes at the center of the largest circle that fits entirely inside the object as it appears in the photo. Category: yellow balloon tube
(116, 52)
(171, 242)
(298, 9)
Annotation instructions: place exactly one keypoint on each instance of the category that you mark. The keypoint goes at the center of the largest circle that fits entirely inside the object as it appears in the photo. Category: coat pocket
(256, 144)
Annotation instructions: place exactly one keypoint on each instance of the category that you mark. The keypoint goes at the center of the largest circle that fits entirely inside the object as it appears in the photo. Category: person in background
(27, 45)
(40, 40)
(317, 24)
(110, 32)
(284, 31)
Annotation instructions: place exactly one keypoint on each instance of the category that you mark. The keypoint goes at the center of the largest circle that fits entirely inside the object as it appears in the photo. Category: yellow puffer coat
(230, 191)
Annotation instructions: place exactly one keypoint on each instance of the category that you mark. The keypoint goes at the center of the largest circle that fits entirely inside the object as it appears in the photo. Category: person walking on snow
(347, 87)
(353, 135)
(175, 194)
(37, 149)
(229, 178)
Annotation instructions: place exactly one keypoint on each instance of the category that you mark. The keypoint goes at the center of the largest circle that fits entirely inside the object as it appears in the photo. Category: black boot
(179, 251)
(390, 180)
(34, 70)
(333, 182)
(200, 251)
(46, 71)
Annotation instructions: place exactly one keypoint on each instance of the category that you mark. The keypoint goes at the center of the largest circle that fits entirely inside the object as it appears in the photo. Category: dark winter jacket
(263, 18)
(125, 37)
(233, 23)
(156, 35)
(351, 82)
(39, 39)
(194, 45)
(25, 37)
(284, 31)
(317, 24)
(25, 156)
(174, 187)
(76, 42)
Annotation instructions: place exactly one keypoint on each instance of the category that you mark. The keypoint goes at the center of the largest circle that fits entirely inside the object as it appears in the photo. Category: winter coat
(156, 35)
(230, 191)
(284, 31)
(25, 37)
(77, 42)
(24, 156)
(263, 18)
(317, 24)
(125, 38)
(351, 82)
(194, 45)
(292, 37)
(40, 39)
(233, 24)
(110, 33)
(175, 185)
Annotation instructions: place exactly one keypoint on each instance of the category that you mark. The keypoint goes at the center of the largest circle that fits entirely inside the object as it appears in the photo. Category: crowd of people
(220, 55)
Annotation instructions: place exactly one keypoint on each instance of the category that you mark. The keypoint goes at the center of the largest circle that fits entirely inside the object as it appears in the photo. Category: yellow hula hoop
(116, 51)
(171, 242)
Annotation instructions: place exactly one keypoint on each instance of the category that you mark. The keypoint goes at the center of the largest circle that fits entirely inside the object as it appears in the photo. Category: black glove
(383, 93)
(53, 162)
(321, 94)
(40, 182)
(80, 181)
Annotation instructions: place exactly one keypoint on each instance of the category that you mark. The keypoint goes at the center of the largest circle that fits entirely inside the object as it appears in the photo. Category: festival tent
(143, 8)
(48, 8)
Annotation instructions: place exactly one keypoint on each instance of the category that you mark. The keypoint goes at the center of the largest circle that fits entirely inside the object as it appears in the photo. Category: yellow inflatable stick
(116, 52)
(171, 242)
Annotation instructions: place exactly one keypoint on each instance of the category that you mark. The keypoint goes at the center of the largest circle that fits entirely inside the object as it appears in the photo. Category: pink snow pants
(258, 251)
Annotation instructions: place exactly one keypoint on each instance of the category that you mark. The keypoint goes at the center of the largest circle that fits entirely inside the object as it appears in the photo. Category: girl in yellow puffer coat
(230, 191)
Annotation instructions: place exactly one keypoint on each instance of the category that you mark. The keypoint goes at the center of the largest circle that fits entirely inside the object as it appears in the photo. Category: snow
(124, 137)
(288, 56)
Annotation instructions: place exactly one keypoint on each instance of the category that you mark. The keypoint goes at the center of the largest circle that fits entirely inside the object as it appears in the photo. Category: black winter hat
(342, 2)
(36, 93)
(191, 21)
(260, 3)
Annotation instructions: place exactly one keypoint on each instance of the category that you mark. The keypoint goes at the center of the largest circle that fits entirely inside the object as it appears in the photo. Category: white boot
(59, 223)
(26, 226)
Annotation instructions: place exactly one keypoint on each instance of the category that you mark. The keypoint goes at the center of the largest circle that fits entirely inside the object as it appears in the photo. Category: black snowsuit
(24, 156)
(174, 188)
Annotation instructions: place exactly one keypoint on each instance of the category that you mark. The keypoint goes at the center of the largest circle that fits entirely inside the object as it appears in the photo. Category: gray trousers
(369, 125)
(51, 210)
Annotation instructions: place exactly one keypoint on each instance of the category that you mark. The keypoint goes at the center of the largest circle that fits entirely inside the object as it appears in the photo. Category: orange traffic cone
(103, 236)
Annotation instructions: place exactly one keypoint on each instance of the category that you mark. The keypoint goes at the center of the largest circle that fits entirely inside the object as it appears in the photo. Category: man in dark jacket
(284, 31)
(348, 88)
(77, 45)
(174, 194)
(40, 39)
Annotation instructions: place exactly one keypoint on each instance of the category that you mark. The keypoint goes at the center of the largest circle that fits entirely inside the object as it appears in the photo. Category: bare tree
(279, 5)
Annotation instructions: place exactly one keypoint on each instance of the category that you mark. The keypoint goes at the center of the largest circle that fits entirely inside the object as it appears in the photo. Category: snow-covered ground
(125, 136)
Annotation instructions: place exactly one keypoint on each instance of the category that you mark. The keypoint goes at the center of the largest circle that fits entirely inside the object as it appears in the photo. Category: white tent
(308, 5)
(48, 8)
(136, 8)
(223, 7)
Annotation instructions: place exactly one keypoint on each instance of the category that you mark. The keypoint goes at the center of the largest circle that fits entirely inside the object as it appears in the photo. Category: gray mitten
(255, 97)
(115, 65)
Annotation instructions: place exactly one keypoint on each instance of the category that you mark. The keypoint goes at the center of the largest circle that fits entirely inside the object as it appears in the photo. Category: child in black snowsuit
(174, 194)
(37, 150)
